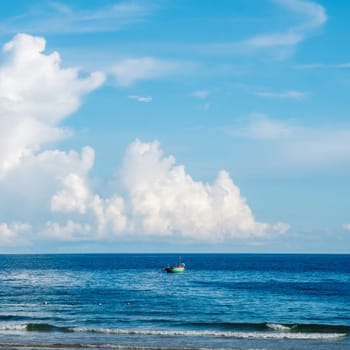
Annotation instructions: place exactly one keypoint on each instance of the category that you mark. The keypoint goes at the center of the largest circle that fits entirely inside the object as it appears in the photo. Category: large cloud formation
(161, 199)
(156, 196)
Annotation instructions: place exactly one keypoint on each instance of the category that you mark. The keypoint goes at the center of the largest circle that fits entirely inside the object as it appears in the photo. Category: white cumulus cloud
(68, 231)
(76, 196)
(43, 172)
(165, 200)
(36, 93)
(161, 199)
(9, 233)
(73, 196)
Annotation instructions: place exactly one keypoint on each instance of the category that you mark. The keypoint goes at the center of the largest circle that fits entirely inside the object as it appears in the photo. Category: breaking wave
(261, 331)
(35, 327)
(208, 333)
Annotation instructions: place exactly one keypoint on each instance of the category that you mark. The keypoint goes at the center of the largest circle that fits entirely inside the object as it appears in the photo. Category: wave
(305, 328)
(35, 327)
(207, 333)
(45, 327)
(280, 327)
(270, 331)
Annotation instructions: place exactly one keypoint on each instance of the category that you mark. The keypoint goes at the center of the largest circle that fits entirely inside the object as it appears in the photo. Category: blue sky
(166, 126)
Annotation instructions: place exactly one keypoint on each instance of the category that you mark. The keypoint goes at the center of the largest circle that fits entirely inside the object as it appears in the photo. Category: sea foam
(208, 333)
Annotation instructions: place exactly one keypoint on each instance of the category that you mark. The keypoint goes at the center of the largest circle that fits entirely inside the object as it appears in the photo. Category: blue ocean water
(222, 301)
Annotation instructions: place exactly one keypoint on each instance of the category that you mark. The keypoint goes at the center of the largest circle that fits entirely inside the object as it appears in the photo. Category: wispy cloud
(202, 94)
(314, 13)
(263, 41)
(308, 16)
(61, 18)
(297, 144)
(346, 226)
(260, 127)
(313, 16)
(344, 65)
(290, 94)
(131, 70)
(144, 99)
(205, 107)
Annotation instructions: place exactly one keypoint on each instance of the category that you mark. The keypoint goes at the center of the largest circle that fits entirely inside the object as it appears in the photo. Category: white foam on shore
(241, 335)
(281, 332)
(13, 327)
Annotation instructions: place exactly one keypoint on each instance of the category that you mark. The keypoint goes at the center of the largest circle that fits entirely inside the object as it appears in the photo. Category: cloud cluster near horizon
(161, 199)
(158, 198)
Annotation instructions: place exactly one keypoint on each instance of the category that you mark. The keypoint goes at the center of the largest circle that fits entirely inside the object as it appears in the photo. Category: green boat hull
(175, 269)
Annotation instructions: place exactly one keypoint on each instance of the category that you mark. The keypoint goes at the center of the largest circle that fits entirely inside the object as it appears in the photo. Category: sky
(174, 126)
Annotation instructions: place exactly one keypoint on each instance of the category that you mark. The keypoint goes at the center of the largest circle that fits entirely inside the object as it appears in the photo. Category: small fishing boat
(175, 269)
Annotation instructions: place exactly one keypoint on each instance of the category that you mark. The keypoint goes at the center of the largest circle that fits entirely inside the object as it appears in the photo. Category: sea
(221, 301)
